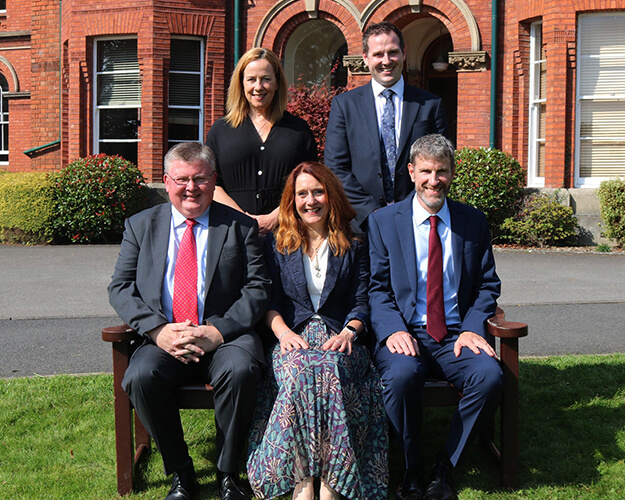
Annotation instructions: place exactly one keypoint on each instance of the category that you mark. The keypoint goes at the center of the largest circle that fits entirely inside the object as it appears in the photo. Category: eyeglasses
(198, 180)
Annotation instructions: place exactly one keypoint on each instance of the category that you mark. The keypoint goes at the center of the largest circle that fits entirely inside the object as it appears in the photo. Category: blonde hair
(291, 233)
(237, 106)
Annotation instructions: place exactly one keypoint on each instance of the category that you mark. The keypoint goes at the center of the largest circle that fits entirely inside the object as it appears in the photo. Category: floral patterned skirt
(319, 414)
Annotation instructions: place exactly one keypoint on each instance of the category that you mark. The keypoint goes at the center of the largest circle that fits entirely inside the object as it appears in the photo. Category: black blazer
(352, 148)
(345, 291)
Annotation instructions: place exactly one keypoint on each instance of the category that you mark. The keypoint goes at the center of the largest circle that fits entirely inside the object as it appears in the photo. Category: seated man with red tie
(433, 285)
(190, 277)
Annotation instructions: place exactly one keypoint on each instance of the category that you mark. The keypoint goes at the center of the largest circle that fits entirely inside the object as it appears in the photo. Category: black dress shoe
(439, 487)
(228, 487)
(183, 484)
(410, 487)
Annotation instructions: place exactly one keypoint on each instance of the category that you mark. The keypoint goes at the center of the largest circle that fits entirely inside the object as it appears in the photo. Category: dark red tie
(436, 326)
(185, 278)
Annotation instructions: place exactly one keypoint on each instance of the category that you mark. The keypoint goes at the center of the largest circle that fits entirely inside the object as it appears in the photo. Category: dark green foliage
(93, 196)
(25, 207)
(543, 221)
(612, 199)
(489, 180)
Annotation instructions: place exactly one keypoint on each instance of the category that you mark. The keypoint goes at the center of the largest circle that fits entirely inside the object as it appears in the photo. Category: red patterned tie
(436, 326)
(185, 278)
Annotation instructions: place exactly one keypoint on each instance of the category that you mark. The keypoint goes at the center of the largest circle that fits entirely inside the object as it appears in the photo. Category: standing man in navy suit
(371, 128)
(414, 339)
(212, 339)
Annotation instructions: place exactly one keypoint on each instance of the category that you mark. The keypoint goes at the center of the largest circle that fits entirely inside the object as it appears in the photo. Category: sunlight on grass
(57, 438)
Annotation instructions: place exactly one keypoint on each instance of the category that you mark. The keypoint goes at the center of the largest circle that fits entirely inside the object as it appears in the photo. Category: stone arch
(286, 15)
(455, 14)
(10, 74)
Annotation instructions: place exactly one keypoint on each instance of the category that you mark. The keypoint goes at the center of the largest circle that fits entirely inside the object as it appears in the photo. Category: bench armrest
(499, 327)
(121, 333)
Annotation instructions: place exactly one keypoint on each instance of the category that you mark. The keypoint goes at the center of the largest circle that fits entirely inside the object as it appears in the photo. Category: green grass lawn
(57, 437)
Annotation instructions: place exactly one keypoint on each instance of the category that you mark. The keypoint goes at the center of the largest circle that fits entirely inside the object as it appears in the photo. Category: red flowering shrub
(92, 198)
(312, 103)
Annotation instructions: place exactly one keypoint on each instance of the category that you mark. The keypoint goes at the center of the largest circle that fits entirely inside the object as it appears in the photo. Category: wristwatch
(352, 329)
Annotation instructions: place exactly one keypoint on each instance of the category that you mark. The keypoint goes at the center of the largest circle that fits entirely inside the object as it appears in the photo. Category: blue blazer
(393, 289)
(352, 148)
(344, 296)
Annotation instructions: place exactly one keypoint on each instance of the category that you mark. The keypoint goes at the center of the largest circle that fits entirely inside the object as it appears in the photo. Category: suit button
(380, 174)
(413, 304)
(382, 201)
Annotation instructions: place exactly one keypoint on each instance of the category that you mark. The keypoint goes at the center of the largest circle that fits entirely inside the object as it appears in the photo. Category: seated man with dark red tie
(433, 285)
(191, 279)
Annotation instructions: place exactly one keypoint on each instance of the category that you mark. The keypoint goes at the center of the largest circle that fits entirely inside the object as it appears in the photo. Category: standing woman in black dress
(258, 142)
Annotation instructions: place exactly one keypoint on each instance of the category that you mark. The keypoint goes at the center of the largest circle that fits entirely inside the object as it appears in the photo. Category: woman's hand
(292, 341)
(341, 342)
(266, 222)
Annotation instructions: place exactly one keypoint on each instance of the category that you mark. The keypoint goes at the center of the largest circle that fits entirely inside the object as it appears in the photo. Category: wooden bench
(130, 447)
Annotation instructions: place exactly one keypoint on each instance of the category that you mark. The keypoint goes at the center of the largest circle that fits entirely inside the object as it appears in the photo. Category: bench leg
(510, 414)
(123, 422)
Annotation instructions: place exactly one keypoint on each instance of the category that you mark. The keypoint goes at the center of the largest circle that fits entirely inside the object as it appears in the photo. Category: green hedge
(543, 221)
(26, 207)
(490, 180)
(612, 200)
(93, 196)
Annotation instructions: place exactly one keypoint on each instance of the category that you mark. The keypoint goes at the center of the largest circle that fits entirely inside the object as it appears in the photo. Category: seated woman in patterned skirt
(320, 412)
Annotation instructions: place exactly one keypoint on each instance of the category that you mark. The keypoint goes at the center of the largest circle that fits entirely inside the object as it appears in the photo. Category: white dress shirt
(421, 225)
(176, 230)
(315, 283)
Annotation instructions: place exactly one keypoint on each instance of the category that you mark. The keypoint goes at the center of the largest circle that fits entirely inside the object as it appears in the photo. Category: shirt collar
(398, 87)
(180, 219)
(420, 214)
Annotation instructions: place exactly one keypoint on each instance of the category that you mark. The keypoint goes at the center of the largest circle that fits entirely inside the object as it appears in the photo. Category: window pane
(118, 55)
(185, 55)
(127, 150)
(184, 89)
(119, 124)
(184, 124)
(119, 90)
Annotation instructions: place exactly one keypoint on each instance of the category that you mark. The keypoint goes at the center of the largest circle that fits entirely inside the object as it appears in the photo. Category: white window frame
(200, 107)
(97, 107)
(3, 10)
(584, 62)
(4, 127)
(536, 101)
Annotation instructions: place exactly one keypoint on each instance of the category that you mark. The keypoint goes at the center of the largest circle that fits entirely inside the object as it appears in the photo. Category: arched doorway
(314, 54)
(427, 42)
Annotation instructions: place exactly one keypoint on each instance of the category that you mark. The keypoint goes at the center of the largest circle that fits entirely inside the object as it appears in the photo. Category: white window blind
(600, 126)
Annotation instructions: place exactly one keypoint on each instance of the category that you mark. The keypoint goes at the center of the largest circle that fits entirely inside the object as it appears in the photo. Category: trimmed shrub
(612, 200)
(93, 196)
(543, 221)
(25, 207)
(489, 180)
(313, 105)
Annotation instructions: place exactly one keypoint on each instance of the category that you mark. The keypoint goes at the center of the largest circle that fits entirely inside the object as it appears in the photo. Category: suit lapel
(332, 274)
(217, 231)
(366, 105)
(405, 235)
(161, 225)
(295, 266)
(458, 226)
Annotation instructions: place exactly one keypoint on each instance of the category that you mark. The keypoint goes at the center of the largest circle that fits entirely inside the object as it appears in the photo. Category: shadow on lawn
(570, 414)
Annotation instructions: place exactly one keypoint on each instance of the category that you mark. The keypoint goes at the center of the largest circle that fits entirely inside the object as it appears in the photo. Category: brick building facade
(83, 76)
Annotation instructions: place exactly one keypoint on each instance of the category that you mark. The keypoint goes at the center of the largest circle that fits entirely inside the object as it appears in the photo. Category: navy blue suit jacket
(352, 148)
(344, 296)
(393, 289)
